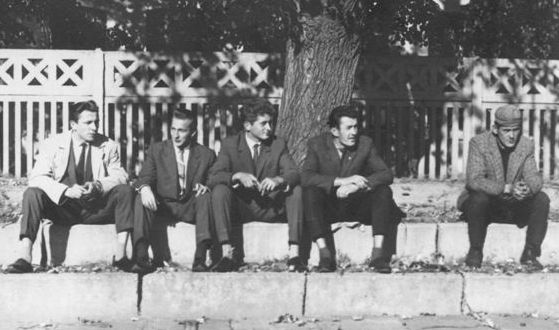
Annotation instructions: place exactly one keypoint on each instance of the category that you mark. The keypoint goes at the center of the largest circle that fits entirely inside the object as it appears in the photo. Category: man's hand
(246, 179)
(92, 190)
(346, 190)
(200, 189)
(358, 180)
(148, 198)
(75, 192)
(520, 191)
(269, 184)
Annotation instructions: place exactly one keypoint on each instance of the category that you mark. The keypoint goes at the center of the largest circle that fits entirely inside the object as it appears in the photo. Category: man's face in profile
(346, 132)
(182, 132)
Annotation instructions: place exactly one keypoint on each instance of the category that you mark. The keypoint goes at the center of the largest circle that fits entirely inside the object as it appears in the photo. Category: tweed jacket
(160, 170)
(322, 163)
(274, 160)
(485, 172)
(52, 162)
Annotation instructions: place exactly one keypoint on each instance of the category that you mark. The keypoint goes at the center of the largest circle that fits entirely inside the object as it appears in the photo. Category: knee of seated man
(478, 198)
(541, 199)
(33, 192)
(221, 191)
(382, 191)
(124, 189)
(297, 192)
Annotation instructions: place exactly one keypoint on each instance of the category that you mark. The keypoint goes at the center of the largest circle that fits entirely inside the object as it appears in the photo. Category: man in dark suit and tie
(172, 187)
(344, 179)
(255, 179)
(503, 184)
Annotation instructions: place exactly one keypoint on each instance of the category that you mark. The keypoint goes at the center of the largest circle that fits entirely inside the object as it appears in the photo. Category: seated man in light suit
(77, 179)
(172, 187)
(344, 179)
(255, 179)
(503, 185)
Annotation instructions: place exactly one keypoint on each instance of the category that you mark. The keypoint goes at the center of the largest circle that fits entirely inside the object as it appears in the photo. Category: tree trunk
(319, 76)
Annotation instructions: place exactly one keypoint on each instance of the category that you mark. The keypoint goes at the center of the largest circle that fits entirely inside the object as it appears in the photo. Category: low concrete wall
(374, 294)
(64, 297)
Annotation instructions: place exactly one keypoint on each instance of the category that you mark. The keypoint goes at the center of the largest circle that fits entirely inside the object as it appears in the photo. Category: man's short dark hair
(338, 112)
(76, 109)
(258, 107)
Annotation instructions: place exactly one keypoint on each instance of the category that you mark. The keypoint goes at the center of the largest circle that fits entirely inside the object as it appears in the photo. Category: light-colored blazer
(485, 171)
(52, 162)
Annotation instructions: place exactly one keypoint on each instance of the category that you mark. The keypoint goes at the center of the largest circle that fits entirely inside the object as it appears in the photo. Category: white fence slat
(455, 135)
(17, 139)
(117, 126)
(165, 121)
(41, 119)
(129, 135)
(6, 138)
(30, 137)
(546, 144)
(53, 120)
(537, 134)
(65, 117)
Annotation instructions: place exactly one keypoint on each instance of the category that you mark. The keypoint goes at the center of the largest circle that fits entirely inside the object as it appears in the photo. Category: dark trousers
(195, 210)
(233, 207)
(115, 207)
(481, 209)
(375, 208)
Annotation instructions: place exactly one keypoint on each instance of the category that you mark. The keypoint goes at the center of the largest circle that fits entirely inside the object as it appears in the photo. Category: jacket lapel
(332, 153)
(495, 158)
(244, 153)
(64, 149)
(97, 156)
(193, 162)
(263, 158)
(171, 159)
(515, 162)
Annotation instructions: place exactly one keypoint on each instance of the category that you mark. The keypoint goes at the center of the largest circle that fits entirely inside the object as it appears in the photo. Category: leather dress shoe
(123, 264)
(20, 266)
(474, 258)
(199, 266)
(530, 260)
(325, 265)
(143, 266)
(295, 264)
(381, 265)
(224, 265)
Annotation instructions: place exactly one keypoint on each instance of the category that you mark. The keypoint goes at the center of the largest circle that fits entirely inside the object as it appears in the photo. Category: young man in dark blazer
(172, 187)
(255, 179)
(503, 184)
(344, 179)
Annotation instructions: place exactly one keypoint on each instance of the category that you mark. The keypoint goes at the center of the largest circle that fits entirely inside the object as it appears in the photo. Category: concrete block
(182, 242)
(521, 293)
(65, 297)
(453, 241)
(9, 247)
(231, 295)
(550, 246)
(417, 241)
(373, 294)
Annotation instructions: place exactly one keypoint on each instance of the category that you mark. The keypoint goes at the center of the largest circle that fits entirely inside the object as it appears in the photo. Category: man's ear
(246, 126)
(494, 129)
(73, 125)
(335, 131)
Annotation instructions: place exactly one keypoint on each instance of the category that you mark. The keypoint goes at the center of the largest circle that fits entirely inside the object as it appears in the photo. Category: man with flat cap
(503, 185)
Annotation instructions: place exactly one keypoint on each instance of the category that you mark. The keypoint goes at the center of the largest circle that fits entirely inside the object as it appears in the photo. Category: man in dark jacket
(172, 187)
(255, 179)
(503, 185)
(344, 179)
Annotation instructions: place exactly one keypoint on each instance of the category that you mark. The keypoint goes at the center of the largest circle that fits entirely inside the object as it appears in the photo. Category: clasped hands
(350, 185)
(518, 191)
(249, 181)
(88, 192)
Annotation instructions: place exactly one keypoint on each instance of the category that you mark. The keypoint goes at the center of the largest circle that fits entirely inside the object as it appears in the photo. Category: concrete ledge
(60, 297)
(504, 242)
(521, 293)
(373, 294)
(264, 295)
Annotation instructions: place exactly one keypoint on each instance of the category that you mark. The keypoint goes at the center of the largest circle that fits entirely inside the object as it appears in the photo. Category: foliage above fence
(420, 111)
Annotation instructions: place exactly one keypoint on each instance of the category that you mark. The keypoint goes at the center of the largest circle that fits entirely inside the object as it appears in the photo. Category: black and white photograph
(279, 164)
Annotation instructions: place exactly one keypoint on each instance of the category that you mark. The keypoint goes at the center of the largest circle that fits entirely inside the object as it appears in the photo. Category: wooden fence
(421, 112)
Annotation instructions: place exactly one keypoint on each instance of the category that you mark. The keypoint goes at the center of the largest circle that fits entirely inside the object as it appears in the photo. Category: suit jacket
(274, 160)
(322, 164)
(160, 171)
(485, 173)
(52, 162)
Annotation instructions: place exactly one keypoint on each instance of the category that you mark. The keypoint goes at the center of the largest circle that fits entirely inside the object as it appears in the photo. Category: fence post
(98, 92)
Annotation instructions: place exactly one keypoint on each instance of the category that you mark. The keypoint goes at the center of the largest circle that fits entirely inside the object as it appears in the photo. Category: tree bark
(319, 76)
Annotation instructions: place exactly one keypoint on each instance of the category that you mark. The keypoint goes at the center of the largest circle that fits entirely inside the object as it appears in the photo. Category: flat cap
(508, 115)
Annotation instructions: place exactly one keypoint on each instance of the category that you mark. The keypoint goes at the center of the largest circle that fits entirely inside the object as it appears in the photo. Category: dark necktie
(80, 168)
(344, 161)
(255, 154)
